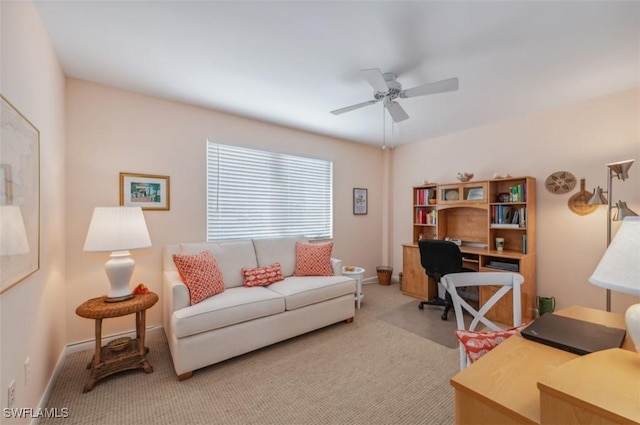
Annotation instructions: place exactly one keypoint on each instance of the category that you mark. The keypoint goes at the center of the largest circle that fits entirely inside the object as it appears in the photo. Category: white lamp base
(119, 270)
(632, 319)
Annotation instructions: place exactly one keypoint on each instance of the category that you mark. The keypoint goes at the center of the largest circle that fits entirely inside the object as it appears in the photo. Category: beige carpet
(426, 323)
(366, 372)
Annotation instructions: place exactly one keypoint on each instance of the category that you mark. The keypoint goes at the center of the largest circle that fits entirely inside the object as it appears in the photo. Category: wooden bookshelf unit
(476, 213)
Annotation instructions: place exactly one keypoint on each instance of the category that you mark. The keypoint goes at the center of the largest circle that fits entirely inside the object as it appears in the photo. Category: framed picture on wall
(19, 197)
(149, 191)
(360, 201)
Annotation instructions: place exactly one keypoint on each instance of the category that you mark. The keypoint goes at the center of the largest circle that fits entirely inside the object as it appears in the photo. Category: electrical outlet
(11, 396)
(27, 370)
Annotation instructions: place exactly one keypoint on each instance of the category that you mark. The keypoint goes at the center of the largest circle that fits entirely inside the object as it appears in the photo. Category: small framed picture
(359, 201)
(148, 191)
(475, 194)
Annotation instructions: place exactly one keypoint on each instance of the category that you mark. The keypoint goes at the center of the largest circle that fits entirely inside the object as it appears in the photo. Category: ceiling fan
(387, 90)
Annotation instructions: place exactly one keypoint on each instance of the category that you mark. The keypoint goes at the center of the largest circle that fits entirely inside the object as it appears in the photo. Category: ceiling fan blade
(353, 107)
(395, 110)
(450, 84)
(376, 79)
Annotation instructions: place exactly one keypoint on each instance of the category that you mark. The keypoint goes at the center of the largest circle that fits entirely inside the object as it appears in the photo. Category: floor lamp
(620, 171)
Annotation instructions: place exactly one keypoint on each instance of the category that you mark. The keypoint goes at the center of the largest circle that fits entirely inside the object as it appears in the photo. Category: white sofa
(242, 319)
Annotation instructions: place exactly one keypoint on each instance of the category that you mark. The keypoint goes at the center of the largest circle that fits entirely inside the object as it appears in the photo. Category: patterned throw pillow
(477, 344)
(262, 276)
(313, 259)
(201, 273)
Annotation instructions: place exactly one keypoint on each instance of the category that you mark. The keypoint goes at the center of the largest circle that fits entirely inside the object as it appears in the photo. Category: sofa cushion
(201, 274)
(235, 305)
(302, 291)
(278, 250)
(232, 256)
(262, 276)
(313, 259)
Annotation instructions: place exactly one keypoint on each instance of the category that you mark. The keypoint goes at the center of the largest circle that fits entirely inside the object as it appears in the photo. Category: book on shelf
(518, 193)
(424, 195)
(426, 216)
(507, 216)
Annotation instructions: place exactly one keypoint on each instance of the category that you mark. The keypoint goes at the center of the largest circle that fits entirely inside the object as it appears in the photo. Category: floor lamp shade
(118, 230)
(619, 270)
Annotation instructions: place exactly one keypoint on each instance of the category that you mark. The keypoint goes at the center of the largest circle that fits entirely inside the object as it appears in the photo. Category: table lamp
(118, 230)
(619, 270)
(14, 234)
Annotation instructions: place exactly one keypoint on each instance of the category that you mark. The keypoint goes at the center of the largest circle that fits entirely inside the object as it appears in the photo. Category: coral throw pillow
(201, 273)
(477, 344)
(262, 276)
(313, 259)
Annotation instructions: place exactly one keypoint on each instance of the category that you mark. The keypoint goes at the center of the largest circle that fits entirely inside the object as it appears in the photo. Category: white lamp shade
(117, 229)
(619, 268)
(13, 234)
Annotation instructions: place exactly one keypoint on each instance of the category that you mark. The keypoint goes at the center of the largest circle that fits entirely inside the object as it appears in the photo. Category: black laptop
(575, 336)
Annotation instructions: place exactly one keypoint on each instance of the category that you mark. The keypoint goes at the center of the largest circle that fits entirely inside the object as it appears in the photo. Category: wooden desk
(609, 393)
(502, 387)
(416, 284)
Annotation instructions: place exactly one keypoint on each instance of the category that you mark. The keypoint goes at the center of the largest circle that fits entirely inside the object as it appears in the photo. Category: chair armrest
(176, 294)
(336, 265)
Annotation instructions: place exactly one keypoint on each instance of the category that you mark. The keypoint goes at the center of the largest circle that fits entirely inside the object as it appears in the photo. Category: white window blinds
(253, 193)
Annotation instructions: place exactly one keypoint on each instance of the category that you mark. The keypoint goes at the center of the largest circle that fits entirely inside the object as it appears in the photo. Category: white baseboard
(394, 278)
(81, 346)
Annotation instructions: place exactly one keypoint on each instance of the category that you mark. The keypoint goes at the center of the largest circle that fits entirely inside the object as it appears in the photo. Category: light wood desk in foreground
(502, 387)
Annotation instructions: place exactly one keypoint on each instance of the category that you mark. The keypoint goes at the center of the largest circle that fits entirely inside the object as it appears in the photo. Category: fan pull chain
(384, 130)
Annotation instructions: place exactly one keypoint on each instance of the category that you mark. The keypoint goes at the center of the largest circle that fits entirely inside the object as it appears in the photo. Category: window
(253, 193)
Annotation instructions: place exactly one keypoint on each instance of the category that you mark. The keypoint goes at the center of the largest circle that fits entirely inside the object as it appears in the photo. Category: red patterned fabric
(477, 344)
(262, 276)
(313, 259)
(201, 273)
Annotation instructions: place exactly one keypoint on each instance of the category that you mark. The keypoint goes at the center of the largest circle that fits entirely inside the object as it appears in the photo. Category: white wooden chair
(506, 280)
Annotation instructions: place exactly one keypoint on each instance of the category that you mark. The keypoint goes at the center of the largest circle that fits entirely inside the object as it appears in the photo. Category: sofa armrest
(176, 294)
(336, 265)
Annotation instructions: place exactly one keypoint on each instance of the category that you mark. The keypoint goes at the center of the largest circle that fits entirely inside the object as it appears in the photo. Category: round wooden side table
(124, 354)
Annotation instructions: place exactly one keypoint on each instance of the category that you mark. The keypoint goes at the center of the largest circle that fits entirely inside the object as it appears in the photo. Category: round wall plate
(451, 195)
(560, 182)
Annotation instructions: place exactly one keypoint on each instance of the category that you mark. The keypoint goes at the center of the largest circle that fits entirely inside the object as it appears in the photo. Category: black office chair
(440, 258)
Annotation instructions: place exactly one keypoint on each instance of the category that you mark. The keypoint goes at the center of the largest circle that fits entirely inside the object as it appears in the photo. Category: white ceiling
(291, 62)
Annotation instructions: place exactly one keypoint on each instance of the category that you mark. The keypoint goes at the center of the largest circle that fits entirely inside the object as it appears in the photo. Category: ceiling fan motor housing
(395, 88)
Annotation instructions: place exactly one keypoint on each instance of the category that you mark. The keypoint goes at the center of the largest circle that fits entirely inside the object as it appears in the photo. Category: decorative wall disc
(560, 182)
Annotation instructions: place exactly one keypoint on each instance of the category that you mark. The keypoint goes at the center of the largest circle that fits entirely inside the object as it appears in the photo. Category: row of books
(518, 193)
(508, 216)
(423, 196)
(425, 216)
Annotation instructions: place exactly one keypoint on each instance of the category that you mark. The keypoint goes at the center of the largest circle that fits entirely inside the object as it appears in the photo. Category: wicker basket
(384, 274)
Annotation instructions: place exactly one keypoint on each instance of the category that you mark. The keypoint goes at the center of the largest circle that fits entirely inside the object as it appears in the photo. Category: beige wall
(112, 131)
(32, 313)
(581, 139)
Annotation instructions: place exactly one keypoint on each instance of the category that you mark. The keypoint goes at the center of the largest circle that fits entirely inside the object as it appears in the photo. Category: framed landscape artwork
(149, 191)
(360, 202)
(19, 197)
